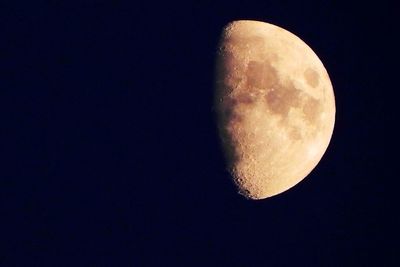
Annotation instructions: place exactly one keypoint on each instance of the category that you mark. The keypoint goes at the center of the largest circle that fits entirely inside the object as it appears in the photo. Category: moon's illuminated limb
(275, 105)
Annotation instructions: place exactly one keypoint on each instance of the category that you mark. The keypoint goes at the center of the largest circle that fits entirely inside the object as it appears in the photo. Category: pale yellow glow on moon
(275, 107)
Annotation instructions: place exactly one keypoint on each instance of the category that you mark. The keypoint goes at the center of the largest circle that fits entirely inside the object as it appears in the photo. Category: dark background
(111, 155)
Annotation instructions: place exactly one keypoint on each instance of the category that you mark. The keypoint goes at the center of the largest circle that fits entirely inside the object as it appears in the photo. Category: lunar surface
(275, 107)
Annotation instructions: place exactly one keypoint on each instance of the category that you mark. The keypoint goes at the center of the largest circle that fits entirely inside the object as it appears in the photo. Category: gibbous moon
(275, 107)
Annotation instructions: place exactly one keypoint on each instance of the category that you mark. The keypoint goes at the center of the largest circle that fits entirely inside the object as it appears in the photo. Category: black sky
(111, 155)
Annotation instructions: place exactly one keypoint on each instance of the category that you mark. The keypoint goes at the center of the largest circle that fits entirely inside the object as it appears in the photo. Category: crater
(226, 66)
(228, 114)
(228, 117)
(312, 77)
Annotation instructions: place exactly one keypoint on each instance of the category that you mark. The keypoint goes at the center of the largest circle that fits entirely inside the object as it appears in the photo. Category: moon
(275, 107)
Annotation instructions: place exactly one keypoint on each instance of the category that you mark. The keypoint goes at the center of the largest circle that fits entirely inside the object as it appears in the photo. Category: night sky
(110, 152)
